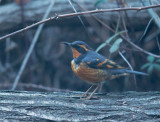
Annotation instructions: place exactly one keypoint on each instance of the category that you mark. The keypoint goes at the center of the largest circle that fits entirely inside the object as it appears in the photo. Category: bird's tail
(135, 72)
(122, 71)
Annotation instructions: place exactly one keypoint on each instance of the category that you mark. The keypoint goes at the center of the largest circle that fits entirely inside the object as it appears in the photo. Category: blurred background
(49, 68)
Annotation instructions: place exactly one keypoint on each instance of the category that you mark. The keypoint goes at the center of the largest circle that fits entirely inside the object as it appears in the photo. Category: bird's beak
(67, 43)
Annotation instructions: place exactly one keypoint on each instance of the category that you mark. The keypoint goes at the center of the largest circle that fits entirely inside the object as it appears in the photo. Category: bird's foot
(83, 95)
(88, 98)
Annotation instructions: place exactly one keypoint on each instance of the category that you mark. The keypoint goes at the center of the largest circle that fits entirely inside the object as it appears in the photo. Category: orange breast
(75, 53)
(89, 74)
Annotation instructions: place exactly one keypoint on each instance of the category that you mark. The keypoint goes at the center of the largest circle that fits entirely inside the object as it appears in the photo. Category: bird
(94, 68)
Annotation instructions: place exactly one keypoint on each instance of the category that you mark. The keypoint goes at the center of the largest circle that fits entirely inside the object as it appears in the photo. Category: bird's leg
(86, 93)
(100, 88)
(92, 93)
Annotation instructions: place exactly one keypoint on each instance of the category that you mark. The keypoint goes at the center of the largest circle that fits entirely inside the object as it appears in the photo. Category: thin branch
(34, 86)
(158, 43)
(129, 66)
(125, 28)
(76, 14)
(142, 50)
(79, 17)
(122, 18)
(91, 21)
(144, 33)
(128, 40)
(152, 36)
(104, 24)
(32, 46)
(152, 13)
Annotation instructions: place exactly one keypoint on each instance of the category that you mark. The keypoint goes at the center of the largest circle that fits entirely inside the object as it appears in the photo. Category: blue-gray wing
(95, 60)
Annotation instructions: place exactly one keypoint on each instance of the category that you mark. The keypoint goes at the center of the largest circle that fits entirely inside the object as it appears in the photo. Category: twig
(108, 41)
(91, 21)
(125, 28)
(144, 33)
(129, 41)
(122, 18)
(76, 14)
(32, 46)
(26, 85)
(152, 13)
(126, 39)
(158, 43)
(79, 17)
(129, 66)
(152, 36)
(142, 50)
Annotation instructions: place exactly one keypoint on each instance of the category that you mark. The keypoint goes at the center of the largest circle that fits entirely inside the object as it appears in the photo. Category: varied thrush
(94, 68)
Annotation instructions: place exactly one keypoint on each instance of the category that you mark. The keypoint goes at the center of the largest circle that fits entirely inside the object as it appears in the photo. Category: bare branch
(79, 17)
(24, 63)
(76, 14)
(126, 39)
(158, 43)
(34, 86)
(129, 67)
(142, 50)
(144, 33)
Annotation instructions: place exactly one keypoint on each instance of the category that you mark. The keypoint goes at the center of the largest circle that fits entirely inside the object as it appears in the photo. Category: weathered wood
(60, 106)
(34, 10)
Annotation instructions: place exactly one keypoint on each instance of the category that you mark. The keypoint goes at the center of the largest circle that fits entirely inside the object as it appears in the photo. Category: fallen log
(66, 106)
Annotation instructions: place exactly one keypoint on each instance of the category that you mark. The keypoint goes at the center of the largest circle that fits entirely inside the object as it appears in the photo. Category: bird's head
(78, 48)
